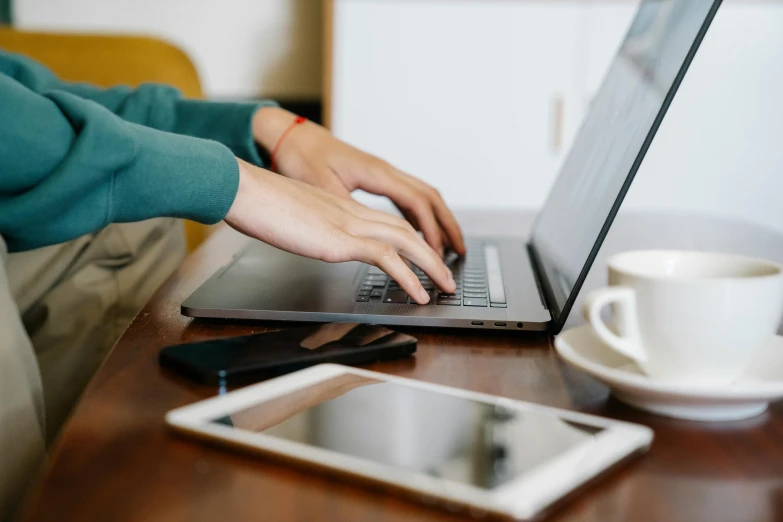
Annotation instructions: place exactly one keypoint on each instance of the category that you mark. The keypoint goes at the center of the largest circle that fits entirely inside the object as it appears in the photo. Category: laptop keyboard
(478, 276)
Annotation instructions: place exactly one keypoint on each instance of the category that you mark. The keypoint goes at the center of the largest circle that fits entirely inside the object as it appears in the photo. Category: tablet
(442, 445)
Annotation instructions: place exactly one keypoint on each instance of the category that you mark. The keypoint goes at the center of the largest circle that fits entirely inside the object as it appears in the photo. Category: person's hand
(312, 155)
(310, 222)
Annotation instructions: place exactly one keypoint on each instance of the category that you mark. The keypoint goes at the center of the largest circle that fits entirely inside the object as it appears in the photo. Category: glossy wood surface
(116, 461)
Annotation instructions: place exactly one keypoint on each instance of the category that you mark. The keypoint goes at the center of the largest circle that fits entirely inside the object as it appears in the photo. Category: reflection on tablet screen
(459, 439)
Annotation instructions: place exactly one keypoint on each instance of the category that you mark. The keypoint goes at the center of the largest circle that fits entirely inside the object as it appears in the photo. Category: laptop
(503, 283)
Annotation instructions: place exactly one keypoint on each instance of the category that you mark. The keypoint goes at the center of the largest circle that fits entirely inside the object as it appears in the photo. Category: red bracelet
(298, 121)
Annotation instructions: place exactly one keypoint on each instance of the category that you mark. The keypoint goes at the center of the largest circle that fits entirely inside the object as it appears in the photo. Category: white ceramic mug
(693, 317)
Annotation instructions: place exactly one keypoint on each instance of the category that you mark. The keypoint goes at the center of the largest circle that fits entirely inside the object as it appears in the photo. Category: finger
(379, 216)
(448, 222)
(409, 246)
(385, 257)
(372, 214)
(411, 218)
(411, 196)
(421, 209)
(446, 240)
(385, 217)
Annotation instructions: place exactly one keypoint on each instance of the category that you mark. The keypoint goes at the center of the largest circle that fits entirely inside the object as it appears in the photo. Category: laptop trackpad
(265, 278)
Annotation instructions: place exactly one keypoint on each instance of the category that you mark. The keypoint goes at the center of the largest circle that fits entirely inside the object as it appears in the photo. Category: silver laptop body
(504, 283)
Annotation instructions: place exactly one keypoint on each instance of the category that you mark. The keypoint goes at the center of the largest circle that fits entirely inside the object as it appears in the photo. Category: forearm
(69, 167)
(156, 106)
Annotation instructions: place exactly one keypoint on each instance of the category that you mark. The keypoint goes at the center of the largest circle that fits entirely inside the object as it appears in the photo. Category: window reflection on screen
(439, 435)
(612, 136)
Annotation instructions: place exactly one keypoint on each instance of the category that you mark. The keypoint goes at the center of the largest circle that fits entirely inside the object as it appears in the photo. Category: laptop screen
(614, 137)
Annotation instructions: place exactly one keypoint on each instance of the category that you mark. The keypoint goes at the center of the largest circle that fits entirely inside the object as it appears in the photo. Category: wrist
(269, 123)
(248, 176)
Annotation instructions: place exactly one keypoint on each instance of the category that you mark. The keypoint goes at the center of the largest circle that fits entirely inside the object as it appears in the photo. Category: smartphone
(251, 358)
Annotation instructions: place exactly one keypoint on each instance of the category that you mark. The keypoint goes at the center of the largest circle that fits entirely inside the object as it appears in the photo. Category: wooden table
(115, 460)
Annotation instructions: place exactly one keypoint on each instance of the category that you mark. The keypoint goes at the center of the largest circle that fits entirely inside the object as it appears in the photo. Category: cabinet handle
(558, 109)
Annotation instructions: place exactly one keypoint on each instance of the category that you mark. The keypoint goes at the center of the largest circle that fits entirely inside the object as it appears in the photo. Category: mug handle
(628, 344)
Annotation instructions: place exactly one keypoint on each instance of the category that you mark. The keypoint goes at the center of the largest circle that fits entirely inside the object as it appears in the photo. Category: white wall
(242, 48)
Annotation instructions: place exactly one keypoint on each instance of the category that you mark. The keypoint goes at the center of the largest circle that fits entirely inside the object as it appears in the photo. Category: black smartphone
(251, 358)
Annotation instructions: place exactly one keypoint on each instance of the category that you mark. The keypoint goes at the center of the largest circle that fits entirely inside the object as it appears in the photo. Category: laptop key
(395, 296)
(363, 292)
(376, 293)
(365, 287)
(377, 284)
(450, 258)
(475, 294)
(449, 302)
(362, 298)
(474, 301)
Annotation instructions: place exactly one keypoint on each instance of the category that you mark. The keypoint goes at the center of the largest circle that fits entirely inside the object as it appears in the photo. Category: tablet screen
(454, 438)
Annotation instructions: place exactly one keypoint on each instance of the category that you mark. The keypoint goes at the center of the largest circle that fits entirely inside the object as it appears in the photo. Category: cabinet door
(546, 97)
(458, 93)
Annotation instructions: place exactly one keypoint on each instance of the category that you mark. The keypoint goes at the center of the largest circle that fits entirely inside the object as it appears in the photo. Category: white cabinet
(463, 94)
(543, 100)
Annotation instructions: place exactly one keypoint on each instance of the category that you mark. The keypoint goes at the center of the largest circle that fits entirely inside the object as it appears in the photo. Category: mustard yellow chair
(108, 60)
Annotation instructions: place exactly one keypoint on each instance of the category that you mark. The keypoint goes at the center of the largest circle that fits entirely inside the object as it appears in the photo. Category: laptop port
(500, 323)
(477, 323)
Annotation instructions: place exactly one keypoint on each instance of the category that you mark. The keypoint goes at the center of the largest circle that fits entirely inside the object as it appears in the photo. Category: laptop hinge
(537, 273)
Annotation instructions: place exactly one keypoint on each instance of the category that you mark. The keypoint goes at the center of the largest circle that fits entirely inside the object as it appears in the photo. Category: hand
(312, 155)
(310, 222)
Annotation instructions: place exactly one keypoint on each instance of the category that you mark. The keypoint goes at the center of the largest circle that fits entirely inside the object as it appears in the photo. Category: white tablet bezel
(522, 498)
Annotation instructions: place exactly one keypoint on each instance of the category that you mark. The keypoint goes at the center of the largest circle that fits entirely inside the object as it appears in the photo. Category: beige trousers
(61, 309)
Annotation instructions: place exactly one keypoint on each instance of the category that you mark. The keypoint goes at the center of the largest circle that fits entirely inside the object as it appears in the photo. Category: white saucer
(747, 397)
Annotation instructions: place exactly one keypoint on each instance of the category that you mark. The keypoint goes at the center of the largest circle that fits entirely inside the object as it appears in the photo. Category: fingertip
(460, 247)
(455, 242)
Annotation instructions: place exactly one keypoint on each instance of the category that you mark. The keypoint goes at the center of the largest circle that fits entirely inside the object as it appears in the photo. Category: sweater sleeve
(69, 166)
(152, 105)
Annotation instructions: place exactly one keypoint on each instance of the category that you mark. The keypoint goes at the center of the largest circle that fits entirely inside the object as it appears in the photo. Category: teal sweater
(74, 158)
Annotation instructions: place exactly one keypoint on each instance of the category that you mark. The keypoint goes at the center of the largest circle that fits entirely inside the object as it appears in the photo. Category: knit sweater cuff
(175, 175)
(230, 123)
